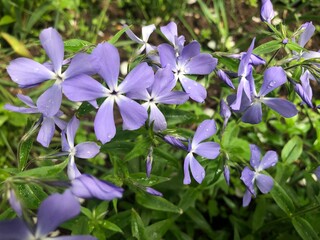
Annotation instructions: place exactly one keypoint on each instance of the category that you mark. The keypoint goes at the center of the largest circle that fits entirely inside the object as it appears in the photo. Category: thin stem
(273, 56)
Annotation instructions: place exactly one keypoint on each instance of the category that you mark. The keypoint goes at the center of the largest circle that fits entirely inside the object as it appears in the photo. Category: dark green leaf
(137, 226)
(176, 116)
(292, 150)
(142, 179)
(295, 47)
(259, 214)
(158, 229)
(84, 109)
(31, 195)
(304, 228)
(282, 199)
(268, 47)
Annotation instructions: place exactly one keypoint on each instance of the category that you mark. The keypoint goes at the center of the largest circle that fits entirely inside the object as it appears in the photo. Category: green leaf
(157, 230)
(176, 116)
(268, 47)
(6, 20)
(47, 171)
(229, 63)
(282, 199)
(295, 47)
(199, 220)
(84, 108)
(141, 179)
(304, 228)
(157, 203)
(16, 45)
(32, 195)
(292, 150)
(141, 147)
(111, 226)
(76, 45)
(116, 37)
(137, 226)
(259, 214)
(37, 15)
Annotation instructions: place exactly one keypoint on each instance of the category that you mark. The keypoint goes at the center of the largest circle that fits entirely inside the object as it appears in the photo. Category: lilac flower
(149, 162)
(254, 60)
(170, 31)
(48, 119)
(317, 173)
(159, 92)
(174, 141)
(28, 73)
(244, 70)
(85, 88)
(226, 173)
(153, 192)
(82, 150)
(190, 61)
(273, 78)
(208, 150)
(249, 177)
(304, 89)
(14, 202)
(53, 211)
(224, 112)
(146, 32)
(224, 77)
(267, 13)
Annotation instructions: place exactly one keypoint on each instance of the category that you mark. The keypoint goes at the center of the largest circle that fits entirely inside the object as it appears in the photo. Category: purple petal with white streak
(243, 87)
(269, 160)
(52, 43)
(87, 150)
(156, 116)
(54, 210)
(64, 143)
(83, 88)
(73, 171)
(201, 64)
(87, 186)
(50, 101)
(273, 77)
(255, 156)
(104, 126)
(140, 77)
(264, 183)
(244, 66)
(267, 13)
(209, 150)
(307, 33)
(132, 36)
(170, 31)
(167, 56)
(82, 63)
(282, 106)
(224, 77)
(163, 83)
(205, 130)
(196, 91)
(72, 128)
(108, 57)
(133, 114)
(141, 94)
(28, 73)
(253, 114)
(146, 32)
(46, 132)
(27, 100)
(310, 55)
(59, 122)
(303, 94)
(20, 109)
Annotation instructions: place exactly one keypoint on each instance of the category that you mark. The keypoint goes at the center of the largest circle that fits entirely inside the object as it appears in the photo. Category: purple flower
(224, 77)
(208, 150)
(317, 173)
(170, 31)
(159, 92)
(85, 88)
(174, 141)
(254, 60)
(154, 192)
(14, 202)
(226, 173)
(190, 61)
(249, 177)
(82, 150)
(48, 119)
(304, 89)
(53, 211)
(267, 13)
(146, 32)
(28, 73)
(224, 112)
(149, 162)
(244, 70)
(273, 78)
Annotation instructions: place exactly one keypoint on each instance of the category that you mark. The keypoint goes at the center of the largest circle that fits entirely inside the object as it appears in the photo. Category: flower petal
(146, 31)
(167, 55)
(87, 186)
(255, 156)
(307, 33)
(273, 77)
(132, 36)
(205, 130)
(264, 183)
(267, 13)
(133, 114)
(253, 114)
(82, 63)
(197, 170)
(226, 173)
(247, 176)
(269, 160)
(153, 192)
(46, 132)
(26, 100)
(73, 171)
(224, 77)
(54, 210)
(201, 64)
(87, 150)
(52, 43)
(50, 101)
(108, 57)
(14, 229)
(170, 31)
(196, 91)
(72, 128)
(20, 109)
(104, 126)
(175, 97)
(246, 198)
(28, 73)
(189, 51)
(83, 88)
(163, 83)
(244, 66)
(209, 150)
(156, 116)
(282, 106)
(140, 77)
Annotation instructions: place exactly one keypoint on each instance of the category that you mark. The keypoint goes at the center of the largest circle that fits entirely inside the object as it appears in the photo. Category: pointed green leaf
(116, 37)
(304, 228)
(158, 230)
(137, 226)
(76, 45)
(292, 150)
(282, 199)
(111, 226)
(268, 47)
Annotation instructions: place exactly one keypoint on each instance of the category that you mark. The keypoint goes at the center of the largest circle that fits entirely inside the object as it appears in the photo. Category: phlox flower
(249, 177)
(53, 211)
(29, 73)
(266, 13)
(48, 119)
(189, 62)
(208, 150)
(85, 88)
(304, 89)
(170, 31)
(159, 92)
